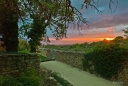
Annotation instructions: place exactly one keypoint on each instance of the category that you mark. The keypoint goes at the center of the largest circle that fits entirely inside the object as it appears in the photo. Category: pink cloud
(111, 21)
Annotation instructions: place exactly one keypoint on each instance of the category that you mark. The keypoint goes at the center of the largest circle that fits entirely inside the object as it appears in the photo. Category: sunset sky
(106, 25)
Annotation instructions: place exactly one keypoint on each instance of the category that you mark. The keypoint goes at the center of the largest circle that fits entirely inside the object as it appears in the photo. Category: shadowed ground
(75, 76)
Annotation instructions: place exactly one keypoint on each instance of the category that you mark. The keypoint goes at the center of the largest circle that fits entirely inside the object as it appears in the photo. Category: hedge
(105, 61)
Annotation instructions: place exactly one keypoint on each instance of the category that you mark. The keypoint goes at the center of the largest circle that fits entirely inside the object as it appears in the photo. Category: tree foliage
(105, 60)
(126, 32)
(23, 45)
(36, 17)
(53, 15)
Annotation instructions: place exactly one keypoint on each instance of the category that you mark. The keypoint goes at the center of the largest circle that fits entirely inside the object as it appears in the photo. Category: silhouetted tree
(126, 32)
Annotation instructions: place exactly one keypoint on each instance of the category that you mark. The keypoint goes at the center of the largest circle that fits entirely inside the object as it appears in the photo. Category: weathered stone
(74, 59)
(13, 64)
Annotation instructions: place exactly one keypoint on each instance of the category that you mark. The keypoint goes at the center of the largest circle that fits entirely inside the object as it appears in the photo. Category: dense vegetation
(106, 60)
(28, 78)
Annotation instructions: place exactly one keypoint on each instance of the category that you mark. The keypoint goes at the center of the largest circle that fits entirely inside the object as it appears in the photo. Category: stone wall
(74, 59)
(14, 64)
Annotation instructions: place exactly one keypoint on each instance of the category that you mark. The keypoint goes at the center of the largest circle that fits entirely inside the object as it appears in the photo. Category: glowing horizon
(69, 41)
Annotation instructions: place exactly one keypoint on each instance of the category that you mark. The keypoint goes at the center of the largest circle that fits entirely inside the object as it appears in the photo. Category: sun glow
(109, 39)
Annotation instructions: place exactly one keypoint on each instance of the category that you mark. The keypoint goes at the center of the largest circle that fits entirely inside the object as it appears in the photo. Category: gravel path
(75, 76)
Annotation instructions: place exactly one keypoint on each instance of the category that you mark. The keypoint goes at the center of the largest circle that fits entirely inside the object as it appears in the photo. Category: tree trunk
(11, 36)
(33, 49)
(9, 26)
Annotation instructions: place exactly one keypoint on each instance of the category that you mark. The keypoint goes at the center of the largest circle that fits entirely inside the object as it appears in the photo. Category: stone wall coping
(63, 51)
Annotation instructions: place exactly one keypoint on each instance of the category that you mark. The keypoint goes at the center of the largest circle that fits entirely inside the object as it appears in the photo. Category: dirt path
(76, 76)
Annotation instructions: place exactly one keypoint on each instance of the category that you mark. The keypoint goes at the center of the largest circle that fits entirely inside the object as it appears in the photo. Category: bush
(23, 45)
(29, 78)
(9, 81)
(105, 61)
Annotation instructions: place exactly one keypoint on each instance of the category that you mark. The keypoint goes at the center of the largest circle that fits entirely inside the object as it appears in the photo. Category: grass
(43, 58)
(24, 51)
(43, 53)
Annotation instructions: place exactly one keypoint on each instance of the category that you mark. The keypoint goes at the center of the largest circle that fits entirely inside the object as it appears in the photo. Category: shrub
(23, 45)
(106, 60)
(28, 78)
(9, 81)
